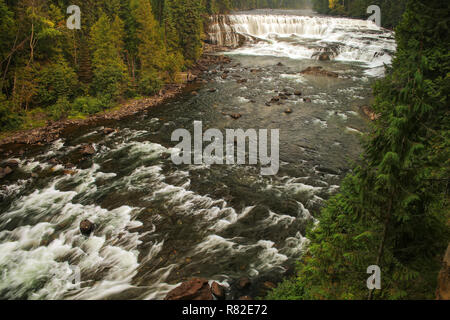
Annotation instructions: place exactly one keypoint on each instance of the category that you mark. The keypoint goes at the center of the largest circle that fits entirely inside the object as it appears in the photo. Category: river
(158, 224)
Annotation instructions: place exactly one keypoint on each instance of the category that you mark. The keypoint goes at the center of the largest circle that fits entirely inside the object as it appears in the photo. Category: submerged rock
(319, 71)
(194, 289)
(87, 150)
(288, 110)
(324, 57)
(243, 283)
(235, 116)
(275, 99)
(297, 92)
(11, 163)
(5, 171)
(108, 131)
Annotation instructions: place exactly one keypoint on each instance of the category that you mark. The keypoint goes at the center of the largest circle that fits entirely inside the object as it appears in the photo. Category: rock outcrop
(194, 289)
(218, 291)
(87, 150)
(319, 71)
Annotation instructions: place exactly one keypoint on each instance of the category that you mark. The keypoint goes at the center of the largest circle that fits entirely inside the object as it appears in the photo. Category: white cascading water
(304, 37)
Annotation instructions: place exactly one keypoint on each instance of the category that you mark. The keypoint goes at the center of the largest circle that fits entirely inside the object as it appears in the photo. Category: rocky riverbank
(54, 129)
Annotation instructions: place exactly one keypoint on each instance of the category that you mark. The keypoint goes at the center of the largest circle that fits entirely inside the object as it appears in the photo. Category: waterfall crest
(304, 37)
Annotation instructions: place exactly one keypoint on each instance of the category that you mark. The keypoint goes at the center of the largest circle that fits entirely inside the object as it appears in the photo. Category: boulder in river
(86, 227)
(307, 100)
(275, 99)
(87, 150)
(108, 131)
(194, 289)
(297, 92)
(241, 80)
(287, 92)
(324, 57)
(218, 291)
(319, 71)
(243, 283)
(5, 171)
(11, 163)
(235, 116)
(288, 110)
(212, 90)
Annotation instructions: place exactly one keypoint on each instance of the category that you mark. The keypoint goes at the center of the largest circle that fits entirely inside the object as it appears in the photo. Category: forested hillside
(391, 11)
(123, 49)
(393, 211)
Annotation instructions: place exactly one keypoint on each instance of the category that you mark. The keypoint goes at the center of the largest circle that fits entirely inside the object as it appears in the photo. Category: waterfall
(304, 37)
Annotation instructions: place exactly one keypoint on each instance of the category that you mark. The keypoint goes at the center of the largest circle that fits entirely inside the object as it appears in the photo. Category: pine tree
(109, 70)
(150, 49)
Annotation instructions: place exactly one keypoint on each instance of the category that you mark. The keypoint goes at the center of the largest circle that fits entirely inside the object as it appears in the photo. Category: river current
(158, 224)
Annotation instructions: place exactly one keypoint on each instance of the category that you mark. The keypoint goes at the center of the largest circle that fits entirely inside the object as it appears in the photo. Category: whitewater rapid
(158, 224)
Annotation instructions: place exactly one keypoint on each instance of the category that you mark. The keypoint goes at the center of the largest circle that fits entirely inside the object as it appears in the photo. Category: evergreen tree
(393, 210)
(109, 70)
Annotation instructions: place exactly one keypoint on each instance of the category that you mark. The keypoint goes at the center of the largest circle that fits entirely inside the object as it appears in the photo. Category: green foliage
(87, 105)
(56, 80)
(9, 120)
(60, 109)
(110, 73)
(391, 11)
(149, 83)
(392, 210)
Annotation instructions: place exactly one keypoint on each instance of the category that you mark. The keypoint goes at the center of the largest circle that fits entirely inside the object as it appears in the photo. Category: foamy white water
(305, 37)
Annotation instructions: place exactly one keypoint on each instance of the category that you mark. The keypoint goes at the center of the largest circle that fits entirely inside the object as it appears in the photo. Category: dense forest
(393, 210)
(124, 49)
(50, 72)
(391, 11)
